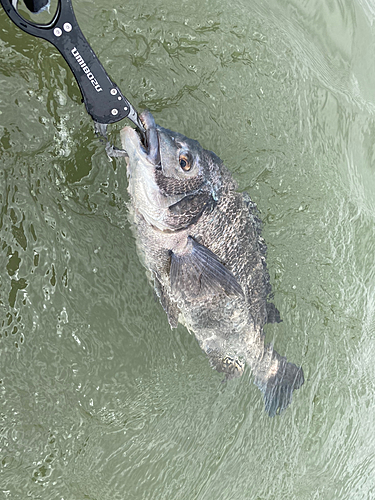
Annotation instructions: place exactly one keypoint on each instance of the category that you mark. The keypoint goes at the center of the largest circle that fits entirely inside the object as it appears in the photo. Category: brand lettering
(77, 56)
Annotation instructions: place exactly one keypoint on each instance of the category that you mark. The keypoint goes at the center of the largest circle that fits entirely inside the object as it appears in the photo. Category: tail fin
(279, 388)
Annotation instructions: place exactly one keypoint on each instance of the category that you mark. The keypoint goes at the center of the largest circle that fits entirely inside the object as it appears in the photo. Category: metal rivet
(113, 91)
(119, 98)
(57, 32)
(125, 108)
(67, 27)
(114, 112)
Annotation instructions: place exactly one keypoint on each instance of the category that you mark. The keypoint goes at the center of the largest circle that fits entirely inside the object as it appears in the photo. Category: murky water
(99, 398)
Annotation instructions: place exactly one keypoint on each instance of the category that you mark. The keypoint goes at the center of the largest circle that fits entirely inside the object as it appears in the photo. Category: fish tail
(279, 387)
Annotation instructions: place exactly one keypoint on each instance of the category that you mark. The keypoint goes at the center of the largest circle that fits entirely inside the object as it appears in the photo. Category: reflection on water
(99, 398)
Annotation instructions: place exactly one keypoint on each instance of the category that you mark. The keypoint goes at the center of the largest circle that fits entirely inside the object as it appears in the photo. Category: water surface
(99, 399)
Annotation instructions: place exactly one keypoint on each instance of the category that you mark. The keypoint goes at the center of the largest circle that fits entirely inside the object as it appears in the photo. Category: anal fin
(279, 386)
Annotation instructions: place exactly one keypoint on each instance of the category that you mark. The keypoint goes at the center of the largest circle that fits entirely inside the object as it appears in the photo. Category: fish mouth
(144, 143)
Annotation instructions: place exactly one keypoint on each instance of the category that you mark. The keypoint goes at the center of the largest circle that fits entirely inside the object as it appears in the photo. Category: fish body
(200, 241)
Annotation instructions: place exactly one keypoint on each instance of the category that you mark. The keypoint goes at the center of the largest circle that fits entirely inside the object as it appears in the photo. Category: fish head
(171, 178)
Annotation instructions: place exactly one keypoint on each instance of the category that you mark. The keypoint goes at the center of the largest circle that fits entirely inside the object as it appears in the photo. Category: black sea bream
(200, 240)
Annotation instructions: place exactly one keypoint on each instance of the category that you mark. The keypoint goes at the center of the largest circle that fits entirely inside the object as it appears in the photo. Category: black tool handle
(103, 99)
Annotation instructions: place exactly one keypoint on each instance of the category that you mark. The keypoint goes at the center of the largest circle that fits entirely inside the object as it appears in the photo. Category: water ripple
(99, 398)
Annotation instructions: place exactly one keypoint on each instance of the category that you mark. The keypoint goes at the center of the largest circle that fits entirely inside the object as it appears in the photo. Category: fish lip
(146, 144)
(149, 139)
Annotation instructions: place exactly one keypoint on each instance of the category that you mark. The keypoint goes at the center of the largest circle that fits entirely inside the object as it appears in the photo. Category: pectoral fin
(200, 270)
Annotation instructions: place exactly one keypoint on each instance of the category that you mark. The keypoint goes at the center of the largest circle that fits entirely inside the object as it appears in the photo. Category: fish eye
(185, 162)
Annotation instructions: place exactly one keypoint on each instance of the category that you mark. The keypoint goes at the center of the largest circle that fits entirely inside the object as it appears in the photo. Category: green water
(99, 399)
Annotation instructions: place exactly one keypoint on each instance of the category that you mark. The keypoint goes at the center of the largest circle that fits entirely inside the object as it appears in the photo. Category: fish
(200, 240)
